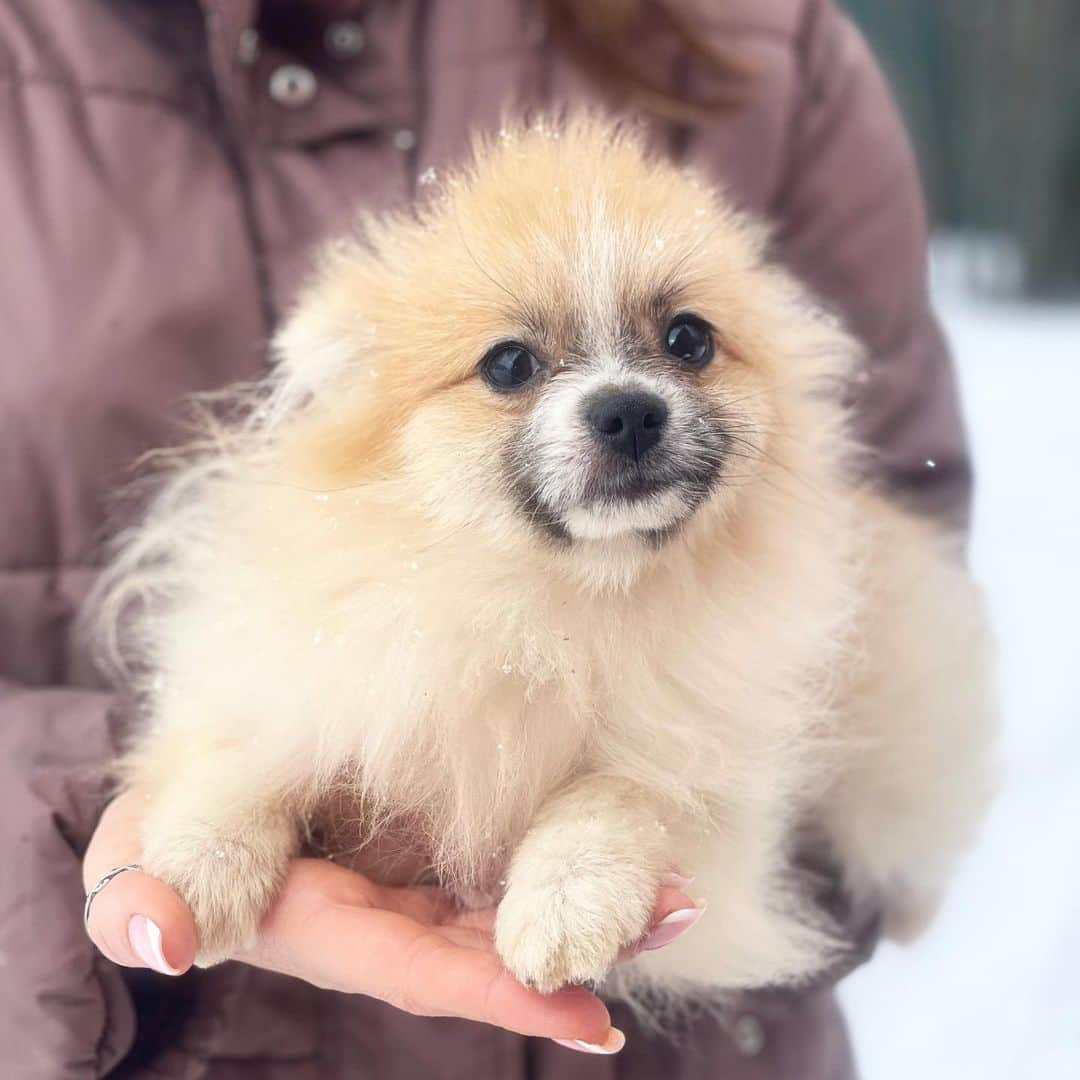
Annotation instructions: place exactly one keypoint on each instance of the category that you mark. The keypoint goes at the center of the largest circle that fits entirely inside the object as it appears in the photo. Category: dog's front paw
(228, 882)
(567, 924)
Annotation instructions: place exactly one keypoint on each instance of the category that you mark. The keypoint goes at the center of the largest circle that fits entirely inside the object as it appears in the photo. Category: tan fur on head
(395, 589)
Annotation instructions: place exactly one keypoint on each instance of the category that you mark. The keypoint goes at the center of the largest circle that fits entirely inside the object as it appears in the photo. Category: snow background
(993, 990)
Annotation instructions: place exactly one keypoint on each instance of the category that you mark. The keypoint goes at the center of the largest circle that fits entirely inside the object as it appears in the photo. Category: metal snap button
(748, 1035)
(293, 85)
(344, 39)
(404, 139)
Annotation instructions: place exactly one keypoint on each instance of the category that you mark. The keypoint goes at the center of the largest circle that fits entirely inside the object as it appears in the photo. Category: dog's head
(568, 336)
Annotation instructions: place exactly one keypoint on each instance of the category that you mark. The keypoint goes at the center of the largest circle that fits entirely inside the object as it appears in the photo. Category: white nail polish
(614, 1042)
(145, 937)
(674, 925)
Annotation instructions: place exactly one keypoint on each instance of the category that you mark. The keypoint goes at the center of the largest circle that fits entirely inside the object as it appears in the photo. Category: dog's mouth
(627, 485)
(649, 499)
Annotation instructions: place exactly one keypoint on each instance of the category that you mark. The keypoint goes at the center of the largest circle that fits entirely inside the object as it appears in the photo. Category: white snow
(993, 991)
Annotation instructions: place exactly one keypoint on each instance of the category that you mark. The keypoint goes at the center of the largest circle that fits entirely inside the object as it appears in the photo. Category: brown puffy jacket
(163, 175)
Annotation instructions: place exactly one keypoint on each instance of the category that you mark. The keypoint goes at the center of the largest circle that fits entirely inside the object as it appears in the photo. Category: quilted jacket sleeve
(62, 1005)
(852, 223)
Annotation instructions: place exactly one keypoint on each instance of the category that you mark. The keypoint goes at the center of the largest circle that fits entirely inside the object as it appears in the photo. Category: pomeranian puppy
(540, 566)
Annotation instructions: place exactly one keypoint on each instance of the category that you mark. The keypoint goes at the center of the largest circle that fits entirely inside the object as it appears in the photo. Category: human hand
(411, 947)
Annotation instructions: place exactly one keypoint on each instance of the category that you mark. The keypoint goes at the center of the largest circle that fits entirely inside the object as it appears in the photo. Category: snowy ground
(993, 992)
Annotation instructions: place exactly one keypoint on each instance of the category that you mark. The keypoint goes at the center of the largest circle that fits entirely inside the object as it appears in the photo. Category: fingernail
(145, 937)
(614, 1042)
(677, 880)
(672, 926)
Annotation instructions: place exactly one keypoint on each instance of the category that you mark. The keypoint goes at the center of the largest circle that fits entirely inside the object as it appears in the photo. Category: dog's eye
(509, 366)
(690, 340)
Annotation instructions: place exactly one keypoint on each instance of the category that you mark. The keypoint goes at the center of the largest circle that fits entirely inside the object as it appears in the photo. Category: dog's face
(570, 334)
(616, 428)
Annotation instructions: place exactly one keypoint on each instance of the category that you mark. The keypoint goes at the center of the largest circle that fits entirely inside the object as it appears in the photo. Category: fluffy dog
(539, 566)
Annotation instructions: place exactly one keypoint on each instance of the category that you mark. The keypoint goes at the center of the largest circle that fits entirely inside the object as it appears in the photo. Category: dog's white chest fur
(480, 691)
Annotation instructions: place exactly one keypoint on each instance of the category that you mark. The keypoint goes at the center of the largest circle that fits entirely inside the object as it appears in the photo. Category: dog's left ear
(322, 339)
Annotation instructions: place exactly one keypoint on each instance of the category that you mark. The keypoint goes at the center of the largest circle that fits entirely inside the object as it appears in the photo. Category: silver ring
(99, 885)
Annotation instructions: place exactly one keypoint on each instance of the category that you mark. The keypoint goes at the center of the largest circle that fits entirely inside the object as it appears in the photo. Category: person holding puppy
(221, 142)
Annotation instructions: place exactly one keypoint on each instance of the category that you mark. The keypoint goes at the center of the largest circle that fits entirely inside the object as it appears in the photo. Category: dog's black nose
(629, 423)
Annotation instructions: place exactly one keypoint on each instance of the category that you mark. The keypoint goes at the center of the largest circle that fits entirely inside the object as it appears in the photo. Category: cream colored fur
(334, 602)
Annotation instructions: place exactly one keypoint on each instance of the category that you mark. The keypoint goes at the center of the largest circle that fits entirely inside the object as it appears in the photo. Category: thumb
(135, 920)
